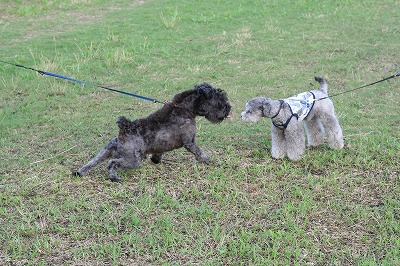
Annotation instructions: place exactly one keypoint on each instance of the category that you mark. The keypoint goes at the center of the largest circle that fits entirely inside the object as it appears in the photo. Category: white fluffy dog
(314, 107)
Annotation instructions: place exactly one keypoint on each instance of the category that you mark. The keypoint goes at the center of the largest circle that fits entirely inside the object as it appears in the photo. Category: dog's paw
(115, 179)
(156, 159)
(319, 79)
(76, 174)
(205, 160)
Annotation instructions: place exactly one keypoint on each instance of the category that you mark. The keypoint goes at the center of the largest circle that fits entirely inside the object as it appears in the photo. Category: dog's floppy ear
(205, 90)
(265, 107)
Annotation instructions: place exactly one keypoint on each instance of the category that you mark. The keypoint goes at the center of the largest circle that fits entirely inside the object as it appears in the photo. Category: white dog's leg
(278, 149)
(333, 131)
(315, 132)
(295, 141)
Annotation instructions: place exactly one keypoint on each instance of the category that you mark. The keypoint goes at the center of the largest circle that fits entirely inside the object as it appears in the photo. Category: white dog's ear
(266, 107)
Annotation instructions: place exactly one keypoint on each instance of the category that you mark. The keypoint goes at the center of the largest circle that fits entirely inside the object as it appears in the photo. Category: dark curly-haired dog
(171, 127)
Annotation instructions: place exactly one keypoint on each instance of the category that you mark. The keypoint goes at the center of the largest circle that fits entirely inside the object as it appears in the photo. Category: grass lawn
(330, 208)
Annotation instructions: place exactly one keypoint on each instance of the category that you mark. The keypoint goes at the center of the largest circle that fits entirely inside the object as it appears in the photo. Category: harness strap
(280, 107)
(284, 125)
(281, 125)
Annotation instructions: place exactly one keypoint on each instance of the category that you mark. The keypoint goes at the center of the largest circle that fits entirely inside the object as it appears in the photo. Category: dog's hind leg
(106, 153)
(315, 132)
(333, 131)
(156, 158)
(130, 155)
(130, 161)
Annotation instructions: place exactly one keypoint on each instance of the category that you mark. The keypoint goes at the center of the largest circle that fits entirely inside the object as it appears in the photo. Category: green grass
(330, 208)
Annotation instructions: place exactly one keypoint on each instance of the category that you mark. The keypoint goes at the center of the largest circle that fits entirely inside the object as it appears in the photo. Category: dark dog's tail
(323, 84)
(123, 124)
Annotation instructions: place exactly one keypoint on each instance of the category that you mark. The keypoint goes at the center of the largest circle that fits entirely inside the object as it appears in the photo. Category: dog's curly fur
(171, 127)
(289, 141)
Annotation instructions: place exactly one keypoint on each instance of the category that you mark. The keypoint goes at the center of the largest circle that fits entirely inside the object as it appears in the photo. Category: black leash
(86, 83)
(370, 84)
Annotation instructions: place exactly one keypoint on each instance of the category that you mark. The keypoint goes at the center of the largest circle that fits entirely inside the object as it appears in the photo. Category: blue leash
(86, 83)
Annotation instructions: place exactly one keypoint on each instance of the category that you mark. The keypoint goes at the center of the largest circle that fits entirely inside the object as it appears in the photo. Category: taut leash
(370, 84)
(86, 83)
(310, 100)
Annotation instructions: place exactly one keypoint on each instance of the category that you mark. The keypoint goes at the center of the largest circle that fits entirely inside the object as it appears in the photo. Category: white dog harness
(300, 106)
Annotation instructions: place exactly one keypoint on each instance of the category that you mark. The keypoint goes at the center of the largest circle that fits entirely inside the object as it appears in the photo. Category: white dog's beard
(250, 117)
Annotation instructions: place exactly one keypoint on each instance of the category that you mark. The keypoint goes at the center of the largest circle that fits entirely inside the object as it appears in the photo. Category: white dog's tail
(323, 84)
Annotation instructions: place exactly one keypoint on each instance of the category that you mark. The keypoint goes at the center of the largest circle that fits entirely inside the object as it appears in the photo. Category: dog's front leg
(199, 153)
(106, 153)
(295, 142)
(278, 149)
